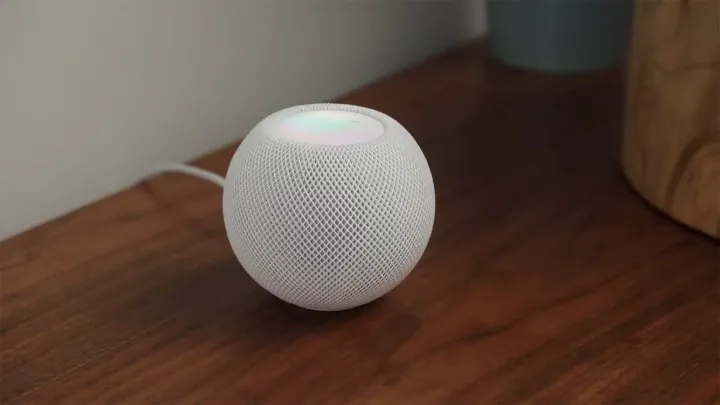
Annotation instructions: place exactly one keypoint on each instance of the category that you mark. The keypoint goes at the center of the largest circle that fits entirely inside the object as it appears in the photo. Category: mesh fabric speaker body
(329, 227)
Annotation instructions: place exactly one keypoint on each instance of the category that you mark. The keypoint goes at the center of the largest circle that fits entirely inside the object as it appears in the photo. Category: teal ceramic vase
(560, 36)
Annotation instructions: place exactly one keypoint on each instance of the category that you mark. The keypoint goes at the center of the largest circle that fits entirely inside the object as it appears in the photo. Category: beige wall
(93, 93)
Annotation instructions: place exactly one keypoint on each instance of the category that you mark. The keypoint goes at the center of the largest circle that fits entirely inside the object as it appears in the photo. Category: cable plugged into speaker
(190, 171)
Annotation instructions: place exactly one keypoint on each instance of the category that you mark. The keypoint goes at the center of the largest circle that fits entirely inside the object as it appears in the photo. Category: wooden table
(547, 280)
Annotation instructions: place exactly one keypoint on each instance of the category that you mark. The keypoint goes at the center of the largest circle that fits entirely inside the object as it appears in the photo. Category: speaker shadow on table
(210, 301)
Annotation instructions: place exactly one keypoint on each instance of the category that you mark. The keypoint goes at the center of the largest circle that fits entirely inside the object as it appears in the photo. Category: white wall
(93, 93)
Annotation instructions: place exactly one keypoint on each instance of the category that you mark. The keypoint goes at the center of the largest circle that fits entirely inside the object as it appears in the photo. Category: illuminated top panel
(327, 127)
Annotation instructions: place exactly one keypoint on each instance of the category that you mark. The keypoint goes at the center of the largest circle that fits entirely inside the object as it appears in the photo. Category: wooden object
(546, 280)
(671, 147)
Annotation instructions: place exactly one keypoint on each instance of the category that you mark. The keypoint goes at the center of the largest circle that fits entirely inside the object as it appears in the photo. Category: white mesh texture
(329, 227)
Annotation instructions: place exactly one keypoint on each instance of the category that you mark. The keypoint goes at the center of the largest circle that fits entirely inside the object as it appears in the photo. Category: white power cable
(188, 170)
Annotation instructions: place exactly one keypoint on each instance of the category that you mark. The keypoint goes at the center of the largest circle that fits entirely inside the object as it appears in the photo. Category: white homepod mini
(328, 206)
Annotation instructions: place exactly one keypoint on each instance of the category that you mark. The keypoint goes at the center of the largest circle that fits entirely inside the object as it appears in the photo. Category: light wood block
(671, 143)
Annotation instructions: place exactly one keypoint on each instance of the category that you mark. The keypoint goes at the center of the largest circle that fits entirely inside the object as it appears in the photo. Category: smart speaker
(328, 206)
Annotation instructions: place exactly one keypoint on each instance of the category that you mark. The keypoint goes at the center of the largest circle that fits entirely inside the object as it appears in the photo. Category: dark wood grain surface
(546, 280)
